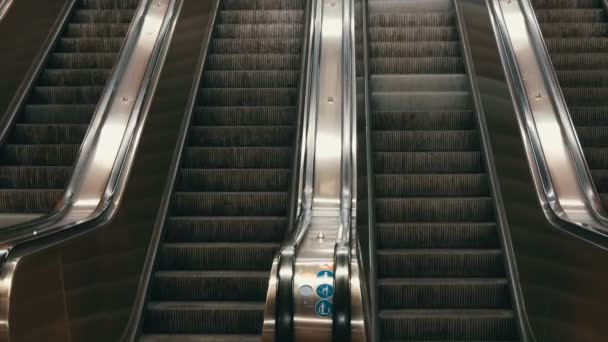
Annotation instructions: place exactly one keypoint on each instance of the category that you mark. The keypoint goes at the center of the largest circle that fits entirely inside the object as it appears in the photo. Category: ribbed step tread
(448, 325)
(441, 209)
(459, 120)
(199, 338)
(217, 256)
(402, 141)
(410, 263)
(219, 285)
(233, 180)
(295, 16)
(446, 293)
(246, 116)
(428, 162)
(225, 229)
(204, 317)
(437, 235)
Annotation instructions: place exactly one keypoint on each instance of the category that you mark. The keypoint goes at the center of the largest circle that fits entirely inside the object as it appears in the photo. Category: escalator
(576, 35)
(441, 273)
(40, 150)
(228, 213)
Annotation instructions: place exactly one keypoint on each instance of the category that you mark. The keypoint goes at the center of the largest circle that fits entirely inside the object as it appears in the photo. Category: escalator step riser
(597, 158)
(89, 45)
(215, 320)
(244, 116)
(65, 95)
(448, 327)
(60, 78)
(233, 180)
(39, 155)
(571, 16)
(34, 177)
(444, 294)
(262, 17)
(434, 209)
(108, 4)
(411, 19)
(415, 49)
(583, 79)
(567, 4)
(248, 97)
(230, 204)
(426, 121)
(28, 201)
(246, 157)
(412, 34)
(586, 96)
(252, 229)
(220, 257)
(82, 60)
(433, 263)
(600, 179)
(429, 65)
(580, 61)
(574, 45)
(431, 185)
(253, 62)
(574, 30)
(48, 134)
(395, 141)
(437, 235)
(593, 136)
(57, 114)
(113, 30)
(103, 16)
(433, 162)
(251, 79)
(256, 31)
(183, 286)
(241, 136)
(263, 4)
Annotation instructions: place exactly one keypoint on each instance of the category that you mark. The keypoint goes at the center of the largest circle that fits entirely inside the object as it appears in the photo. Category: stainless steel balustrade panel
(554, 148)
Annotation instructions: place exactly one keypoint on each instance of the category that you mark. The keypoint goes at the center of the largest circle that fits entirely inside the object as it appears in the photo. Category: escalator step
(199, 338)
(447, 293)
(246, 116)
(251, 79)
(448, 325)
(48, 134)
(204, 317)
(262, 61)
(225, 229)
(34, 177)
(262, 17)
(409, 263)
(57, 114)
(458, 120)
(575, 45)
(395, 141)
(444, 209)
(217, 256)
(233, 179)
(431, 185)
(237, 157)
(206, 285)
(428, 162)
(28, 201)
(437, 235)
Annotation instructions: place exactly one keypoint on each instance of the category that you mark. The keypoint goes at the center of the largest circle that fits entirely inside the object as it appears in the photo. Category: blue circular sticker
(325, 291)
(325, 274)
(324, 308)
